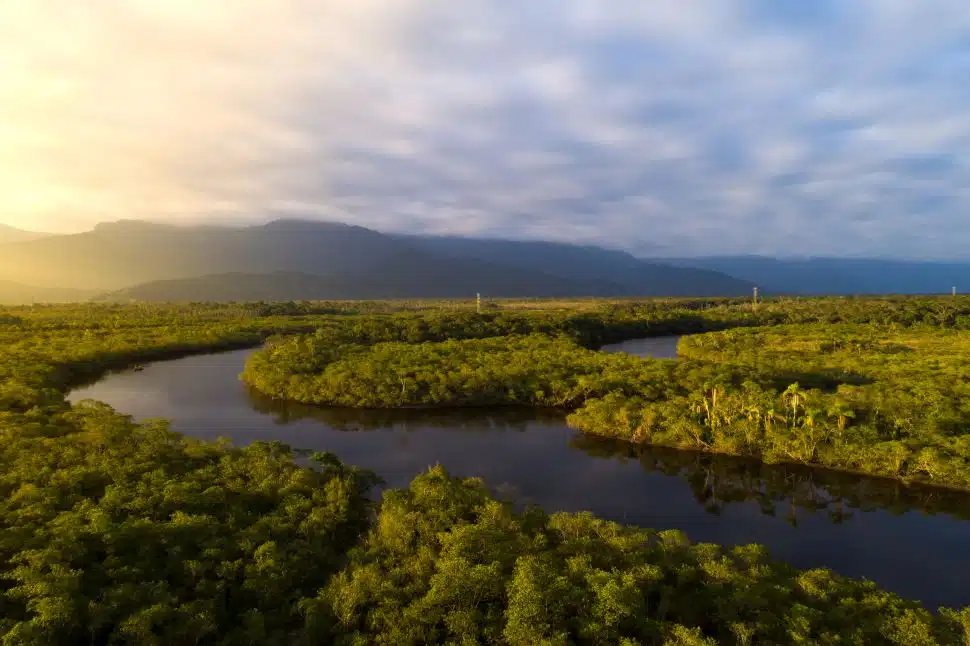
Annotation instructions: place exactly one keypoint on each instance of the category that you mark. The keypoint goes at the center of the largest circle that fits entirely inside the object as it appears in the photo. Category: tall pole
(478, 303)
(755, 300)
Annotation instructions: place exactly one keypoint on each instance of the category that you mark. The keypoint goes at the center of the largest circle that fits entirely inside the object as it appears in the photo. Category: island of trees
(117, 532)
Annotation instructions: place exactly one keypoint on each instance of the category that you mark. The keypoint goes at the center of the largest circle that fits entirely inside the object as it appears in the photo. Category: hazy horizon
(704, 128)
(656, 254)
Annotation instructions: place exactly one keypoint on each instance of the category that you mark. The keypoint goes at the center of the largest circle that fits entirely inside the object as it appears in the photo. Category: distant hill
(330, 260)
(838, 275)
(579, 262)
(285, 286)
(12, 234)
(12, 293)
(120, 254)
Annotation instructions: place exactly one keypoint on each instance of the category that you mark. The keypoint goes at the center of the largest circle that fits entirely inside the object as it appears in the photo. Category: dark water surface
(661, 347)
(910, 540)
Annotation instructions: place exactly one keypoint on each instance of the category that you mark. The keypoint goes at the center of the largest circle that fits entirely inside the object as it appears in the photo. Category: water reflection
(780, 490)
(715, 481)
(661, 347)
(356, 419)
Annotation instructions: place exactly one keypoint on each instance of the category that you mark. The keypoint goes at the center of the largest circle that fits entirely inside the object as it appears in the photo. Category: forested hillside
(583, 263)
(292, 259)
(821, 276)
(12, 234)
(415, 280)
(12, 293)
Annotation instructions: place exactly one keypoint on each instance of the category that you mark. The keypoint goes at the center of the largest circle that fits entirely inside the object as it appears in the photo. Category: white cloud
(708, 127)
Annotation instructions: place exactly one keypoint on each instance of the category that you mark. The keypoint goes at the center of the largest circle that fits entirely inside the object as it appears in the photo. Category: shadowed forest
(115, 532)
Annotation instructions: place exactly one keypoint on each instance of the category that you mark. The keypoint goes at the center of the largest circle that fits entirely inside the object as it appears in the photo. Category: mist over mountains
(12, 293)
(298, 259)
(12, 234)
(822, 276)
(291, 259)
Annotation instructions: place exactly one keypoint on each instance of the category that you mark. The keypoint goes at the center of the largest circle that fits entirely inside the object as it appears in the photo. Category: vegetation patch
(533, 370)
(906, 418)
(446, 563)
(115, 532)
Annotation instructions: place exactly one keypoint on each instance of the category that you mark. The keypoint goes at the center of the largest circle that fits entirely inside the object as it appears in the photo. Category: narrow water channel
(909, 540)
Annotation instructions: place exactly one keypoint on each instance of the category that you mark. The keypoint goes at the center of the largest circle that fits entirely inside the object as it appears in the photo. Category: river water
(909, 540)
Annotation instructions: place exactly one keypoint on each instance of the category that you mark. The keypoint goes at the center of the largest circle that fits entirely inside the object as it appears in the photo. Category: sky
(782, 127)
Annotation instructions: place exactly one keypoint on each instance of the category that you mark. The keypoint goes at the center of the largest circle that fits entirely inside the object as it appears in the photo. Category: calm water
(663, 347)
(909, 540)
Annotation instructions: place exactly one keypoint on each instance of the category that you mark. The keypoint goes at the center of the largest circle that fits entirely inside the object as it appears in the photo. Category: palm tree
(842, 414)
(794, 396)
(770, 416)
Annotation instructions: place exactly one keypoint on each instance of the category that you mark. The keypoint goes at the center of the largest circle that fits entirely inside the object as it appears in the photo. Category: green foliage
(113, 532)
(531, 370)
(888, 402)
(117, 532)
(447, 564)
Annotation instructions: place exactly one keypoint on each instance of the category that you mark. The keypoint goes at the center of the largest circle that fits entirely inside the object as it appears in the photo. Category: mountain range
(12, 234)
(294, 259)
(818, 276)
(12, 293)
(297, 259)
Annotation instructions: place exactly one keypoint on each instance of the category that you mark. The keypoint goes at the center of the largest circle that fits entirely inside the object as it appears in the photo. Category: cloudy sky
(775, 126)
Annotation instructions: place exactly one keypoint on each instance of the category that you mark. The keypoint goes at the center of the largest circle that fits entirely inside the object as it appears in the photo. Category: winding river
(909, 540)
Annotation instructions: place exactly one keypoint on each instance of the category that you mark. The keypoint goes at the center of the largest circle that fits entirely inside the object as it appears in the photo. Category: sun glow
(157, 108)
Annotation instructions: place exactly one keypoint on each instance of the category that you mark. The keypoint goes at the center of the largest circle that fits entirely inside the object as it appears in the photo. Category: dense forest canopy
(881, 400)
(114, 532)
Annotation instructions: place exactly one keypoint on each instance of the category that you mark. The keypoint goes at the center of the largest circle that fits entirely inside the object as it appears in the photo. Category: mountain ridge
(346, 260)
(330, 258)
(13, 234)
(287, 286)
(13, 293)
(587, 262)
(821, 275)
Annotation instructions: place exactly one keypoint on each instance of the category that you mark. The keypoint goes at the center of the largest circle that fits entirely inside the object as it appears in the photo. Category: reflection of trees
(718, 481)
(369, 419)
